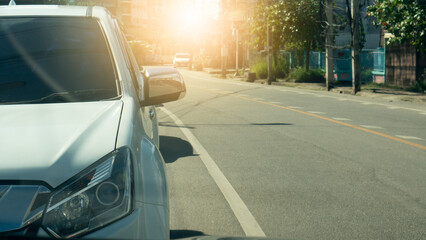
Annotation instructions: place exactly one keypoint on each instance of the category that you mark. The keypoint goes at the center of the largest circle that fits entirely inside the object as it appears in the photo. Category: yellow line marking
(322, 117)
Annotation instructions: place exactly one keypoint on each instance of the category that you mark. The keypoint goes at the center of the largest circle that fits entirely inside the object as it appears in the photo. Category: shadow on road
(173, 148)
(271, 124)
(178, 234)
(170, 124)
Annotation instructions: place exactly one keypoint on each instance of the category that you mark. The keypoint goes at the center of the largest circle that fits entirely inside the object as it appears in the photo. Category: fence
(372, 63)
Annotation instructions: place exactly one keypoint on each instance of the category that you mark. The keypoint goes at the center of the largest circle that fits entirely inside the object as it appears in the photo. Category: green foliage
(405, 19)
(201, 61)
(295, 24)
(366, 75)
(261, 69)
(311, 76)
(281, 67)
(421, 83)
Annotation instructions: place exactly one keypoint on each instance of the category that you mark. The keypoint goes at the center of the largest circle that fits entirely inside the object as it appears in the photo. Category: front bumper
(146, 221)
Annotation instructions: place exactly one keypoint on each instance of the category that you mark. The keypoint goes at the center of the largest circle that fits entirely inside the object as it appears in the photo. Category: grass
(261, 69)
(300, 75)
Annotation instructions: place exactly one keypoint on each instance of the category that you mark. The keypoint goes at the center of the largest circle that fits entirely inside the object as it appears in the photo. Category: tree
(296, 24)
(405, 19)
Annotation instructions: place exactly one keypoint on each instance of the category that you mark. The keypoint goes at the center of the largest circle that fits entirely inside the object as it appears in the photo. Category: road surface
(256, 160)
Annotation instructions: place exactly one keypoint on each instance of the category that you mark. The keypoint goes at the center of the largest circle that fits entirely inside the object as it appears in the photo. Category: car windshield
(182, 55)
(64, 58)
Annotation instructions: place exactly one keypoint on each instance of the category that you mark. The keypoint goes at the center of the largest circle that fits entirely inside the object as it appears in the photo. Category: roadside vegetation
(300, 75)
(280, 68)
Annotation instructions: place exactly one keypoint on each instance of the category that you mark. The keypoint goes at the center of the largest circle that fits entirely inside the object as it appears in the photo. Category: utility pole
(224, 50)
(329, 41)
(236, 52)
(236, 40)
(356, 84)
(269, 51)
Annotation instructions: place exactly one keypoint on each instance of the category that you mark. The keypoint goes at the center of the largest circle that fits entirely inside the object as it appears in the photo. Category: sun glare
(189, 18)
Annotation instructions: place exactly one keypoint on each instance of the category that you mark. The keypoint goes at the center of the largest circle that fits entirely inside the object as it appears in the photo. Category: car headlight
(99, 195)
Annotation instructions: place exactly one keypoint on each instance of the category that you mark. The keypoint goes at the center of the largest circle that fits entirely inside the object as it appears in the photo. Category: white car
(182, 60)
(78, 128)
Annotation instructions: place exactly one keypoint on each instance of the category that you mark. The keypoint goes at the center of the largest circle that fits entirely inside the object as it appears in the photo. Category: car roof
(49, 10)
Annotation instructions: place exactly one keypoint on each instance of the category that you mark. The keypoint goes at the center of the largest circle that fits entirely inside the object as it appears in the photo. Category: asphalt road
(249, 159)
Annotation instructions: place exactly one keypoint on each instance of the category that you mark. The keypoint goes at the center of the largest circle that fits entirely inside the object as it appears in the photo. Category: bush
(366, 76)
(281, 68)
(420, 84)
(311, 76)
(201, 61)
(261, 69)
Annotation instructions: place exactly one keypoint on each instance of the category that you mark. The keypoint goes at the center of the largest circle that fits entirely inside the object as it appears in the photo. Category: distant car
(79, 132)
(182, 60)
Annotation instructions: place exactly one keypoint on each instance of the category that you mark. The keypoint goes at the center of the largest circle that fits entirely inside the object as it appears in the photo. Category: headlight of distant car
(97, 196)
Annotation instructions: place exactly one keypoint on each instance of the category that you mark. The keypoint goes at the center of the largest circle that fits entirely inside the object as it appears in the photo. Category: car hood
(53, 142)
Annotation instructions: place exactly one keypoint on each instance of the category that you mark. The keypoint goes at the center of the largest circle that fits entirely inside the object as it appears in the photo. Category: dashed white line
(276, 102)
(423, 113)
(409, 137)
(240, 209)
(295, 107)
(341, 119)
(393, 108)
(371, 127)
(342, 99)
(315, 112)
(367, 103)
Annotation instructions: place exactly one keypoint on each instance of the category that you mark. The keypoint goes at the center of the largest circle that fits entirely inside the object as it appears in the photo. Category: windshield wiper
(73, 96)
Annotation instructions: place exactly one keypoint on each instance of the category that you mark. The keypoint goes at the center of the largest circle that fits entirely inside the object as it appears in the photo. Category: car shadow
(271, 124)
(170, 124)
(179, 234)
(173, 148)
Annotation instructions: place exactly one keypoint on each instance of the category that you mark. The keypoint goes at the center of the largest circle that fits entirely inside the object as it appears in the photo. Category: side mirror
(163, 85)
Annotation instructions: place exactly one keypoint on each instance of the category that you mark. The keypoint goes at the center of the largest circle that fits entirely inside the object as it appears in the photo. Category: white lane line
(409, 137)
(315, 112)
(367, 103)
(295, 107)
(371, 127)
(259, 99)
(342, 99)
(423, 113)
(341, 119)
(276, 102)
(242, 213)
(393, 108)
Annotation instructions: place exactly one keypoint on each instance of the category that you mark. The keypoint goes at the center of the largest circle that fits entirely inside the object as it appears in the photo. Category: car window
(67, 57)
(182, 55)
